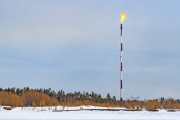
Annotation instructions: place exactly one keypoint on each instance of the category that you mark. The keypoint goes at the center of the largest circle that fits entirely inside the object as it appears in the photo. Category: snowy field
(46, 113)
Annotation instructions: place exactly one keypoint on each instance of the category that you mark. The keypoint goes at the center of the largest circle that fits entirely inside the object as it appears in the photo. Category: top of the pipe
(121, 26)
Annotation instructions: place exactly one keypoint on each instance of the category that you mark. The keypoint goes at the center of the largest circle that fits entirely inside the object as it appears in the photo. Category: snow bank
(46, 113)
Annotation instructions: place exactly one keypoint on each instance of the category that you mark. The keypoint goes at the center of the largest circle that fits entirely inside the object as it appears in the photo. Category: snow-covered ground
(46, 113)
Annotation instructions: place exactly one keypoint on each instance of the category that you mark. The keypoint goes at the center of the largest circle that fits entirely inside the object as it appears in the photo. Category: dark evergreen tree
(17, 91)
(8, 90)
(108, 97)
(13, 90)
(87, 96)
(1, 89)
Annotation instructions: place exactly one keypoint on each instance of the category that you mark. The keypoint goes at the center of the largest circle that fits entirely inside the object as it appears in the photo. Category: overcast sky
(74, 46)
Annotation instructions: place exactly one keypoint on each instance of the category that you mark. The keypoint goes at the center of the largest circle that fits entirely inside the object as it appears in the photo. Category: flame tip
(122, 17)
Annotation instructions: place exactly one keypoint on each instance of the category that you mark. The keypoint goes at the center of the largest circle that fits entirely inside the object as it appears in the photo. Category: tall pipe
(121, 92)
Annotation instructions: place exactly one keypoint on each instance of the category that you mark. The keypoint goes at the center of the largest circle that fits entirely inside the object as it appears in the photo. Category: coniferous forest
(47, 97)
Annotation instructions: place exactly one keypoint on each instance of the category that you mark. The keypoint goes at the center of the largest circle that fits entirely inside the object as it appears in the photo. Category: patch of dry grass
(8, 108)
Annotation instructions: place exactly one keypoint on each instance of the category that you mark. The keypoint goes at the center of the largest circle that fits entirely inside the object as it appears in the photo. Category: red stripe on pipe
(121, 46)
(121, 99)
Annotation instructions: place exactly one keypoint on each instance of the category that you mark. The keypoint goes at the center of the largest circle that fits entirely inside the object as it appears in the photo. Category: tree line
(48, 97)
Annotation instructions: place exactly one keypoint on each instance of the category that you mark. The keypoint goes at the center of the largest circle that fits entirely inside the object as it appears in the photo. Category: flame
(122, 17)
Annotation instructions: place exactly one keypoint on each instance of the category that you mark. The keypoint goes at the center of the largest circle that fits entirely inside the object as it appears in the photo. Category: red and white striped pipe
(121, 64)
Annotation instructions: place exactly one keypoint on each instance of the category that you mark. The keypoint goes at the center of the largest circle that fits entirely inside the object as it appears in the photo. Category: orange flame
(122, 17)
